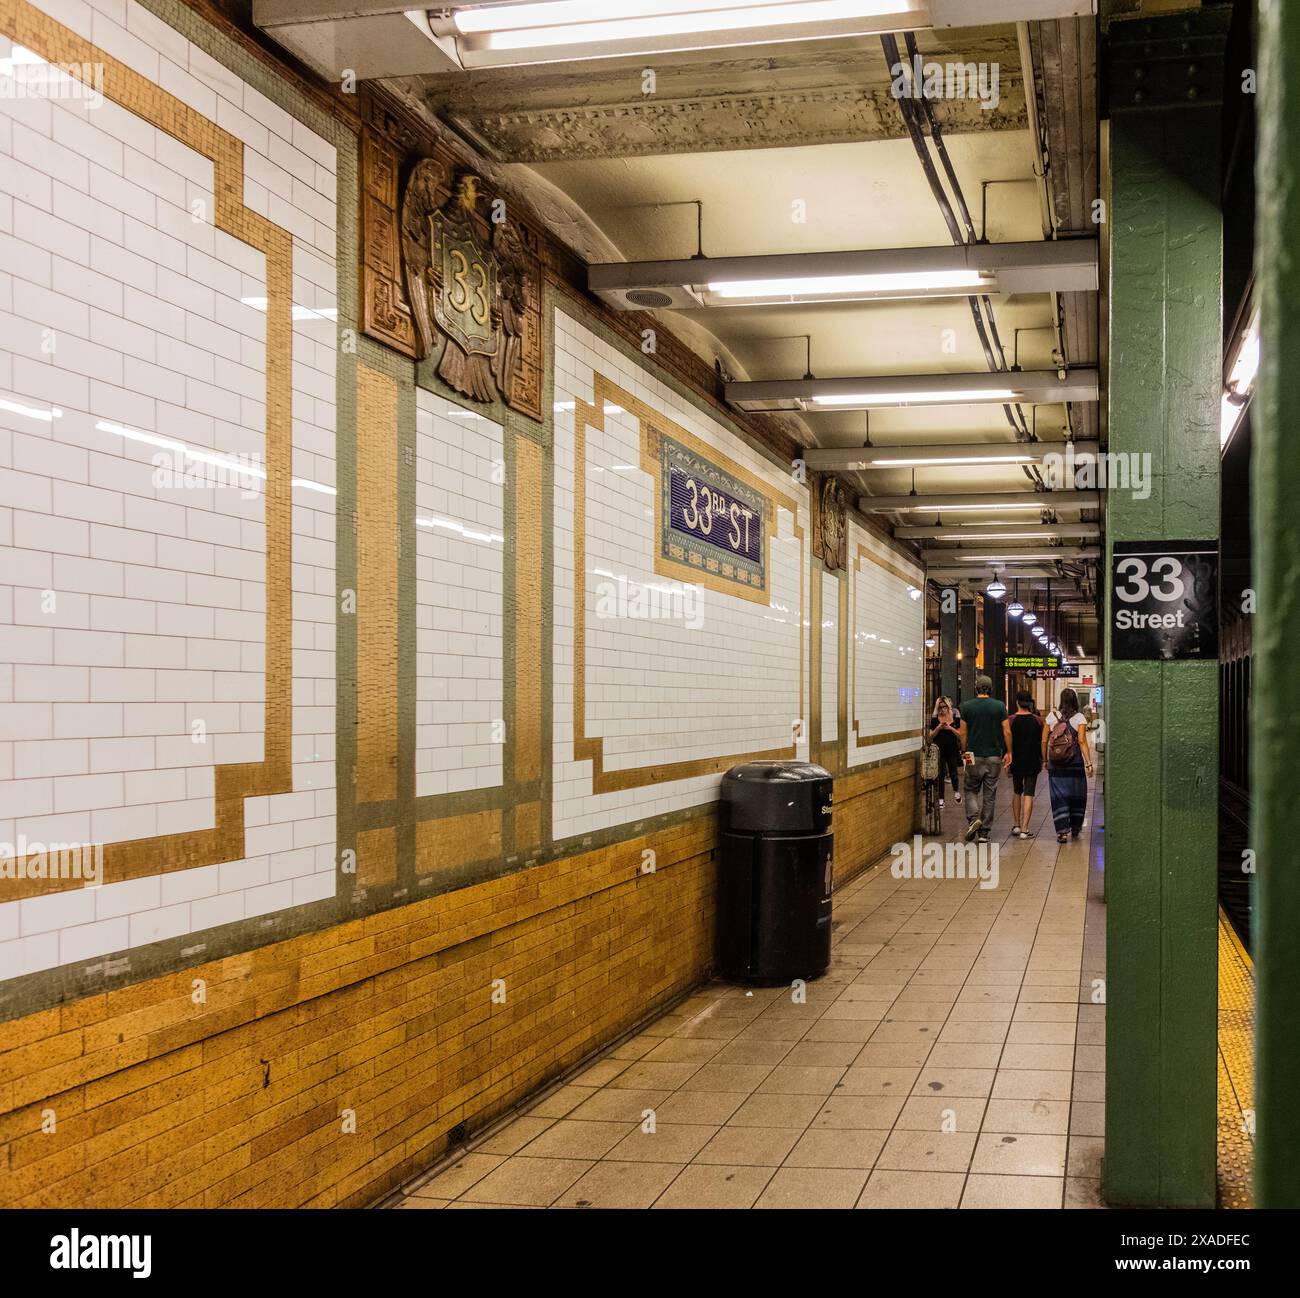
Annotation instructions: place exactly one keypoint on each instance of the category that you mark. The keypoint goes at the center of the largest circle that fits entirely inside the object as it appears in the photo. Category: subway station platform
(953, 1056)
(487, 491)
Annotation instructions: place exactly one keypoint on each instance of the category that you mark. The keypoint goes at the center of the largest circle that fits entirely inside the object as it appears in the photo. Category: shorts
(1024, 784)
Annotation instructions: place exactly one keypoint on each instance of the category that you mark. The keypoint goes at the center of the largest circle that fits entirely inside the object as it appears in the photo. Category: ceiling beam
(1008, 558)
(956, 270)
(870, 392)
(924, 502)
(923, 454)
(1001, 532)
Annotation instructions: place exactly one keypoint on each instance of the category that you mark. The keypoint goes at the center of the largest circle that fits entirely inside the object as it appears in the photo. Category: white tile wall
(830, 656)
(459, 545)
(132, 612)
(888, 662)
(659, 691)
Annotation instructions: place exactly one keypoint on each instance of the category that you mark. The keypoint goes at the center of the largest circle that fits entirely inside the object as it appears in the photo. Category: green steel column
(969, 648)
(947, 643)
(995, 644)
(1165, 378)
(1276, 741)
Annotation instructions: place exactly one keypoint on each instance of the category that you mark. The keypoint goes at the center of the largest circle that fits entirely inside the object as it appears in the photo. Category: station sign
(1067, 671)
(1030, 662)
(1164, 601)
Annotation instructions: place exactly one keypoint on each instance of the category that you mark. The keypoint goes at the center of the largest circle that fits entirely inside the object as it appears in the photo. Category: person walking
(985, 734)
(944, 723)
(1025, 760)
(1069, 763)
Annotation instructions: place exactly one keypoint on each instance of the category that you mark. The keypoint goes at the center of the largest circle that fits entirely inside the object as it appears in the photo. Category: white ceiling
(856, 195)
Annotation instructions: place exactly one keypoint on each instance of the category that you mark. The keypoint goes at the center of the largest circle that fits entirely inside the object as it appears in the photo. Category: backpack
(930, 761)
(1062, 745)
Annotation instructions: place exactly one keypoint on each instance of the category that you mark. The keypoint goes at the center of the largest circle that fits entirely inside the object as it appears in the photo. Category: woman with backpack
(1069, 763)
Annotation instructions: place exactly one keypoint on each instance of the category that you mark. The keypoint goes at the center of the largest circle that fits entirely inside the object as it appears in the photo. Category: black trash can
(774, 882)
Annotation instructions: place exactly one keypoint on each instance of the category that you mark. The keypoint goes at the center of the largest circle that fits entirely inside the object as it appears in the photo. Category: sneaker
(983, 838)
(1024, 833)
(973, 827)
(940, 804)
(1015, 831)
(958, 799)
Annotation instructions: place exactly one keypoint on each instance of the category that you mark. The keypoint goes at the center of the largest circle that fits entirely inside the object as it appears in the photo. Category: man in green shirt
(985, 736)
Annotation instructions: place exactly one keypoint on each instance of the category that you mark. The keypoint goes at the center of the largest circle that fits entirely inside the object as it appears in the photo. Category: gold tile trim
(528, 611)
(378, 543)
(28, 26)
(376, 856)
(591, 748)
(912, 579)
(457, 840)
(528, 826)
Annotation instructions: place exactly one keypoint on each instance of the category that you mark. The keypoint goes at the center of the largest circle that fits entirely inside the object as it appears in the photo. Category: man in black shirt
(1026, 761)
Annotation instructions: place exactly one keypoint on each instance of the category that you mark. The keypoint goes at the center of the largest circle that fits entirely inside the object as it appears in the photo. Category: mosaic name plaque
(710, 520)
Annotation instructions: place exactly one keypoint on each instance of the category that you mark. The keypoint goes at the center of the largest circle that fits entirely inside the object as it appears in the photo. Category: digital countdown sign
(1031, 663)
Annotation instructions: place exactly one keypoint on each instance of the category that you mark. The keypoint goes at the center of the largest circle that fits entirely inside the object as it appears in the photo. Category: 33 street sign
(1164, 600)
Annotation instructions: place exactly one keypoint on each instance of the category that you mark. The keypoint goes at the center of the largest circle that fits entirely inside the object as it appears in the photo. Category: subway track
(1235, 885)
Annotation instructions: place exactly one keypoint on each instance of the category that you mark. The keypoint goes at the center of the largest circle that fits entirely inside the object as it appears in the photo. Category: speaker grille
(647, 297)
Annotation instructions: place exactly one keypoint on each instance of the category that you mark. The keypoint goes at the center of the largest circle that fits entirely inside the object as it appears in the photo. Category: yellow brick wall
(160, 1098)
(874, 809)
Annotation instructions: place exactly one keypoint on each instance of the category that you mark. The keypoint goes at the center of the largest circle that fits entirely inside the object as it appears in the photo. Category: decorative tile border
(28, 26)
(652, 425)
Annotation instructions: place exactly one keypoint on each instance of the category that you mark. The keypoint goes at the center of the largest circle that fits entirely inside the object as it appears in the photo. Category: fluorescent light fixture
(556, 31)
(375, 38)
(1079, 649)
(822, 287)
(1243, 366)
(1241, 378)
(894, 462)
(863, 275)
(997, 387)
(919, 398)
(812, 289)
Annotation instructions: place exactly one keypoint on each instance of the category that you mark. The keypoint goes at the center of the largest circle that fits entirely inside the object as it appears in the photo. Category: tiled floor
(951, 1057)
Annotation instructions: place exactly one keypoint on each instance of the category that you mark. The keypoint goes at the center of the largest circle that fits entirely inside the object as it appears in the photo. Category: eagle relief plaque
(472, 283)
(465, 284)
(830, 530)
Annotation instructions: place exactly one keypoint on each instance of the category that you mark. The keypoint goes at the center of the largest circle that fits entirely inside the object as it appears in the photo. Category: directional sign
(1164, 600)
(1030, 662)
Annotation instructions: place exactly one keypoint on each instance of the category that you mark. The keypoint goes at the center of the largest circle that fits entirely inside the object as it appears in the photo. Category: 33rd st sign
(1164, 600)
